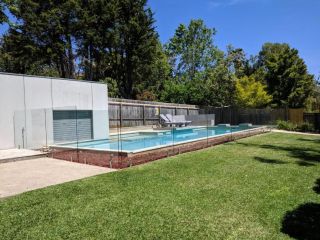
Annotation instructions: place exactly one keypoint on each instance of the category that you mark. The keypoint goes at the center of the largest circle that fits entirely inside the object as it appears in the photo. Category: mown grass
(247, 189)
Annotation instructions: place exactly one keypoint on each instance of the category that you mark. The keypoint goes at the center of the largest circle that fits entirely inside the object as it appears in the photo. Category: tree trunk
(70, 58)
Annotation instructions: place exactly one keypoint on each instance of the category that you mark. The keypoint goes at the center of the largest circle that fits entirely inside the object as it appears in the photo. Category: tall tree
(221, 84)
(96, 37)
(313, 102)
(159, 73)
(286, 75)
(237, 61)
(48, 27)
(201, 73)
(118, 43)
(135, 46)
(191, 49)
(19, 54)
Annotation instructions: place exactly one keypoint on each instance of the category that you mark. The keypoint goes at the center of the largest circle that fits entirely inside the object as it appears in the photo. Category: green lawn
(255, 188)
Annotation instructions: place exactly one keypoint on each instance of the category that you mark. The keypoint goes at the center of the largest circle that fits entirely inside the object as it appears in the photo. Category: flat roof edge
(48, 77)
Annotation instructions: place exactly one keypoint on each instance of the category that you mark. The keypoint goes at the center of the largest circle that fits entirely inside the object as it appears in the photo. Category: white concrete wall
(72, 94)
(11, 99)
(26, 104)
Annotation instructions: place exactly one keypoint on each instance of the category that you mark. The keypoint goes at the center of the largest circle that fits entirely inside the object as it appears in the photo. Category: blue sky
(249, 23)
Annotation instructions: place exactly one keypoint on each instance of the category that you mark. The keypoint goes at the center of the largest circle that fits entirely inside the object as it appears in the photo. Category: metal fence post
(144, 114)
(120, 112)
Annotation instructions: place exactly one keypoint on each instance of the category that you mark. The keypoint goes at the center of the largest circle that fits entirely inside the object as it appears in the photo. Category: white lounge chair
(180, 120)
(164, 121)
(168, 121)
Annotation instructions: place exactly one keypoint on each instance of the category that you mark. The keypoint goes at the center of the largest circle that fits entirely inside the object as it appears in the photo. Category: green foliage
(286, 125)
(313, 102)
(174, 92)
(134, 46)
(147, 96)
(151, 87)
(289, 126)
(306, 127)
(285, 74)
(42, 35)
(96, 37)
(191, 49)
(238, 63)
(200, 70)
(113, 90)
(220, 86)
(251, 93)
(214, 87)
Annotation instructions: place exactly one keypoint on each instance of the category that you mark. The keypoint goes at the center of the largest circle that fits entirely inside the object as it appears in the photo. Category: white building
(39, 111)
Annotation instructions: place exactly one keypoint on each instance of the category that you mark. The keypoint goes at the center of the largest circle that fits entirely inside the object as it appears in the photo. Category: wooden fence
(255, 116)
(266, 116)
(127, 113)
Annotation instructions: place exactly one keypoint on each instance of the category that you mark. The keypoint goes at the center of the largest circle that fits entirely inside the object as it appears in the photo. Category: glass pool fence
(79, 134)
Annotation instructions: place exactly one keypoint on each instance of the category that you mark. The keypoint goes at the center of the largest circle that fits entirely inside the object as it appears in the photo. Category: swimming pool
(129, 149)
(145, 140)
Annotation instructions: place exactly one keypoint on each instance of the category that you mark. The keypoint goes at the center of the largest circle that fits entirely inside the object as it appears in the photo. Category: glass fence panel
(38, 128)
(19, 124)
(33, 128)
(113, 155)
(63, 123)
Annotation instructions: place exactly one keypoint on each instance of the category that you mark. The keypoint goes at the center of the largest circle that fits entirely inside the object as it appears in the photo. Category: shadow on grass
(304, 221)
(270, 161)
(305, 164)
(309, 140)
(306, 156)
(316, 188)
(303, 154)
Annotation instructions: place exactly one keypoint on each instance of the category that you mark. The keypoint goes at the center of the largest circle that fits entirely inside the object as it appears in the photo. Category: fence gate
(72, 125)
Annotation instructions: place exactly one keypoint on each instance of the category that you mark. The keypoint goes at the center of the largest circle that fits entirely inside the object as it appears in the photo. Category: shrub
(289, 126)
(286, 125)
(306, 127)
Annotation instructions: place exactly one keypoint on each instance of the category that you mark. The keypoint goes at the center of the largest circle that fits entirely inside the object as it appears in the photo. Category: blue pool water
(139, 141)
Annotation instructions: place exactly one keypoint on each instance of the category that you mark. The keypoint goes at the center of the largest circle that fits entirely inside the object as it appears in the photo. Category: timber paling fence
(235, 116)
(265, 116)
(129, 113)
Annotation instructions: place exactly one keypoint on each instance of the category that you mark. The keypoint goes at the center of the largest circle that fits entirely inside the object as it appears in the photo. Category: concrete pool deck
(22, 176)
(15, 154)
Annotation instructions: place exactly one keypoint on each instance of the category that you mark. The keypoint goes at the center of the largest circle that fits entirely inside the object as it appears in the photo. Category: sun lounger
(180, 120)
(168, 121)
(164, 121)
